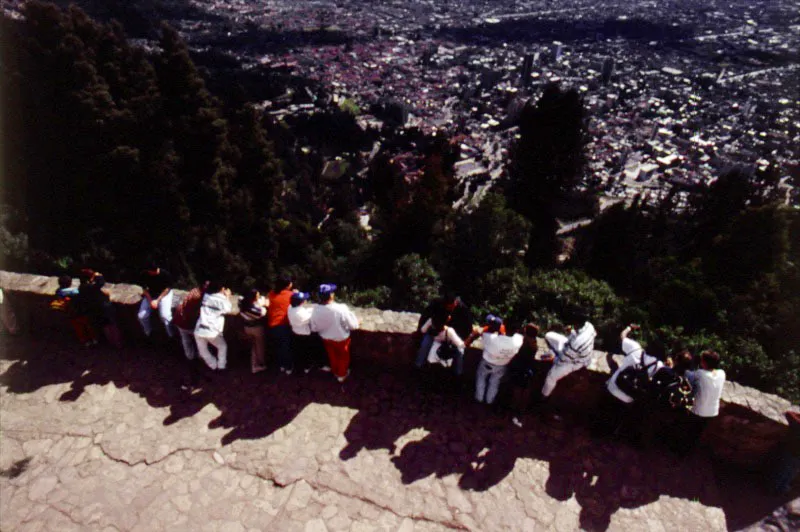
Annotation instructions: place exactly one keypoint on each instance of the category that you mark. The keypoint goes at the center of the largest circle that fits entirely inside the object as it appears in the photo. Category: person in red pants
(334, 321)
(69, 302)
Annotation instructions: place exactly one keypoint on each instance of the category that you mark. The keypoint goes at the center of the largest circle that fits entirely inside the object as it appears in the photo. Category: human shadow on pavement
(472, 441)
(481, 446)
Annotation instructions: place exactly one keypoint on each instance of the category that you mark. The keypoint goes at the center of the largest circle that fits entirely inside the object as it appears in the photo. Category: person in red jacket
(279, 330)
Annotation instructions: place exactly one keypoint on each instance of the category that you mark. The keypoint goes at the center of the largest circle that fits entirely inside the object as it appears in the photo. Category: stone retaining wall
(750, 424)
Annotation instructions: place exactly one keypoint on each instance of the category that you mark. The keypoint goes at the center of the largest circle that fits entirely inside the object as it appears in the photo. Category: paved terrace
(94, 439)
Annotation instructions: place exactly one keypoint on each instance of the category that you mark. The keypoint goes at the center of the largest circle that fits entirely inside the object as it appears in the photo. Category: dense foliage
(721, 272)
(114, 156)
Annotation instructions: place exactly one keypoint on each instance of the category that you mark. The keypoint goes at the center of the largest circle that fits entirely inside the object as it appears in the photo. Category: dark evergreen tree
(489, 237)
(546, 164)
(254, 196)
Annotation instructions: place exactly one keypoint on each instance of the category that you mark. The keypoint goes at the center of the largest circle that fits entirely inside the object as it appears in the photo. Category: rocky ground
(143, 440)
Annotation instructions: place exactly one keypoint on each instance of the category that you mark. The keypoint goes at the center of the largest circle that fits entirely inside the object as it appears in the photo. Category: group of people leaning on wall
(672, 398)
(302, 336)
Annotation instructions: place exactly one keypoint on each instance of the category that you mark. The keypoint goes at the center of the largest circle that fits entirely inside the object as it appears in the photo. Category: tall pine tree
(546, 164)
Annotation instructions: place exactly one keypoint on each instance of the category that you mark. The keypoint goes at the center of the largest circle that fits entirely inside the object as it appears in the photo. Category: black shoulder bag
(447, 350)
(635, 380)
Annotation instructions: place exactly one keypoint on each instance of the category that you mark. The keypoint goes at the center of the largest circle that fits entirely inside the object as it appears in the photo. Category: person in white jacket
(616, 414)
(334, 321)
(210, 325)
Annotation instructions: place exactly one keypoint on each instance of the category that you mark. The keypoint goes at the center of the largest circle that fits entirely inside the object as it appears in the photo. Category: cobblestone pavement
(143, 440)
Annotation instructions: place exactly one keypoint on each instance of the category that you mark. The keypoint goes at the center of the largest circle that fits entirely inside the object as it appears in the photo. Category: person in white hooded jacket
(210, 325)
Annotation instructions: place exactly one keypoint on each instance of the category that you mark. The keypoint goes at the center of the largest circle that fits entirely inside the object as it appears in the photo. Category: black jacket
(460, 317)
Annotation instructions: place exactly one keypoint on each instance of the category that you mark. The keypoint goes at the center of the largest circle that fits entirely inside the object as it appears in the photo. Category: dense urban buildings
(675, 91)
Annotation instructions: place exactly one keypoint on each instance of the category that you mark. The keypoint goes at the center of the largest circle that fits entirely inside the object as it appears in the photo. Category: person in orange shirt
(279, 330)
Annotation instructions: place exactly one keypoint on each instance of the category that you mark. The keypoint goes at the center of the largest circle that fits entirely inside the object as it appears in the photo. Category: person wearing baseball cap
(307, 349)
(334, 321)
(498, 350)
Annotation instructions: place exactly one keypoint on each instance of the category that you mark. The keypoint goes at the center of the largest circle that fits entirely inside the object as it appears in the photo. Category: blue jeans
(494, 374)
(281, 338)
(188, 342)
(164, 313)
(425, 348)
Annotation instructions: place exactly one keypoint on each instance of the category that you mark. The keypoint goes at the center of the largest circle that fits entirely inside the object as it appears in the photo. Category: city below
(675, 92)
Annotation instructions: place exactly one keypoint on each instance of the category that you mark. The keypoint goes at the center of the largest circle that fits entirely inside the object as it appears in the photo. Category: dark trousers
(308, 351)
(521, 396)
(280, 338)
(610, 415)
(689, 433)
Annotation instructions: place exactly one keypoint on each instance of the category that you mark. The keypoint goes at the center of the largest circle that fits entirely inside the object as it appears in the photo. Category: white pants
(188, 343)
(557, 342)
(556, 373)
(222, 351)
(164, 312)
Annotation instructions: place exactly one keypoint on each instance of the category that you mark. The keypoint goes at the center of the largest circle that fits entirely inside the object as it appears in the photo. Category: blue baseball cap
(299, 297)
(491, 319)
(325, 289)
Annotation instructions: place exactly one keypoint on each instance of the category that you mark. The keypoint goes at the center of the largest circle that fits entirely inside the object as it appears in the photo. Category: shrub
(549, 297)
(416, 282)
(378, 297)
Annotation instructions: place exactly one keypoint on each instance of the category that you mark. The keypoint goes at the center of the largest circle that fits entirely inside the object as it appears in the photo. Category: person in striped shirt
(252, 309)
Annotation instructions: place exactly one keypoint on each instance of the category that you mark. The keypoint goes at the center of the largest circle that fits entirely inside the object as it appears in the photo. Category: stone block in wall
(743, 437)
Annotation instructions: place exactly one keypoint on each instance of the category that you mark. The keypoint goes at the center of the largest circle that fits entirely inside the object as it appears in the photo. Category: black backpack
(672, 391)
(447, 350)
(635, 380)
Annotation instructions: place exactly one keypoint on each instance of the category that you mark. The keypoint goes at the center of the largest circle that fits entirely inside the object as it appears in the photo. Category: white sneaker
(342, 379)
(288, 371)
(325, 368)
(515, 420)
(307, 371)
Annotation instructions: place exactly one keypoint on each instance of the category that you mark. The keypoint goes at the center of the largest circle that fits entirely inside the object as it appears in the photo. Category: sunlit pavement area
(94, 439)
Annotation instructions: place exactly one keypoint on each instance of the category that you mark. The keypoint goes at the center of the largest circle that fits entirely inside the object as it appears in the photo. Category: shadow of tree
(476, 443)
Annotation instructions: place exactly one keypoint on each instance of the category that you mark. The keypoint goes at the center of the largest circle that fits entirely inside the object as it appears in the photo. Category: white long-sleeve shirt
(446, 334)
(333, 321)
(300, 319)
(212, 315)
(499, 349)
